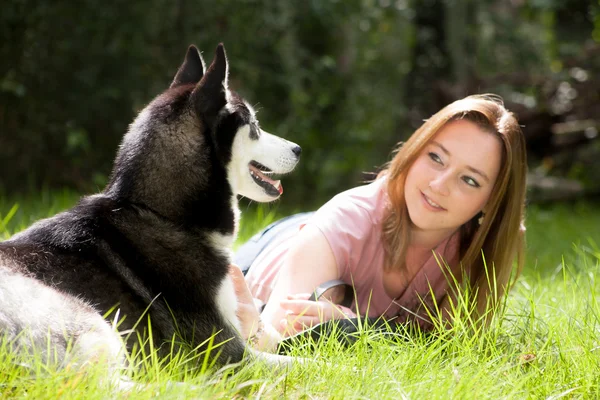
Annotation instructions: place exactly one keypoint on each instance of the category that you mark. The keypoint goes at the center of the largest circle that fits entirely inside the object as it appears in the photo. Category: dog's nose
(297, 150)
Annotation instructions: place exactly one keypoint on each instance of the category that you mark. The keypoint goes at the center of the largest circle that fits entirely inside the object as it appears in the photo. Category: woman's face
(452, 179)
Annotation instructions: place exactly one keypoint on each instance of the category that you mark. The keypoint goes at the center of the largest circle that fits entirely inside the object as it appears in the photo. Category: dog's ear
(210, 95)
(192, 69)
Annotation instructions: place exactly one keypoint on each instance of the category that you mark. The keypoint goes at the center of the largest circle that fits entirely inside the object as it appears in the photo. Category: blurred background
(346, 79)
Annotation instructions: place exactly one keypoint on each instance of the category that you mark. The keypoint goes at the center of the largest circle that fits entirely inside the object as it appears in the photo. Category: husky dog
(157, 241)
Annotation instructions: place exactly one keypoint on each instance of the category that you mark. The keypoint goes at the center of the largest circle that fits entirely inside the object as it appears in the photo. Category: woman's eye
(435, 157)
(471, 182)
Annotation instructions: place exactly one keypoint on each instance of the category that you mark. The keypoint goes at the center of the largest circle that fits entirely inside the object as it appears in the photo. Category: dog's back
(37, 319)
(102, 256)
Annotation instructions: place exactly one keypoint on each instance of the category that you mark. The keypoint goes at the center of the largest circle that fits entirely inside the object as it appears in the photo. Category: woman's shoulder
(367, 201)
(350, 224)
(367, 190)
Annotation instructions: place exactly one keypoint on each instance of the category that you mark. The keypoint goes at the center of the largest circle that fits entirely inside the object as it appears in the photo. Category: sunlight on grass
(546, 345)
(18, 212)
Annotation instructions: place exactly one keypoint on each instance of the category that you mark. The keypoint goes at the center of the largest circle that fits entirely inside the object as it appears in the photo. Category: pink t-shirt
(351, 222)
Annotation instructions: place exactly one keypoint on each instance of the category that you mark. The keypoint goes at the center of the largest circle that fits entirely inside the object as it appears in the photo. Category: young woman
(447, 211)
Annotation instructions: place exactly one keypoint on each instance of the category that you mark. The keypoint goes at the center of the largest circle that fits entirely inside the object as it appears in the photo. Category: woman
(447, 211)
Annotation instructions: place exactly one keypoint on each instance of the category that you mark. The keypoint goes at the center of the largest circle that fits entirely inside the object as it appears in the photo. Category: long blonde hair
(499, 240)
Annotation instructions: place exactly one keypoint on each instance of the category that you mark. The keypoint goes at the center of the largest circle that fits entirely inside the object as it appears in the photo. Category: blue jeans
(247, 253)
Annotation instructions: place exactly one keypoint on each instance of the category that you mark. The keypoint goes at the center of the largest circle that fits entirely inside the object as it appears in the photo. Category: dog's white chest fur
(226, 299)
(227, 303)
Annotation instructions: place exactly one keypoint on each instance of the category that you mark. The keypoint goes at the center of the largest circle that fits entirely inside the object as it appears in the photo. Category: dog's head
(199, 137)
(251, 155)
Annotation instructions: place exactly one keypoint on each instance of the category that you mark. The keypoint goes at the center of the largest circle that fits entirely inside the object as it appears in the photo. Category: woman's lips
(430, 204)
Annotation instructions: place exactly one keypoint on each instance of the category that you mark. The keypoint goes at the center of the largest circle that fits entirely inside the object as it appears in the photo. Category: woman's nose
(440, 184)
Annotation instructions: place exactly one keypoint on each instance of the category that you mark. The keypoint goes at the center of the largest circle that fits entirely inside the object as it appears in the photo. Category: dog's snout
(297, 150)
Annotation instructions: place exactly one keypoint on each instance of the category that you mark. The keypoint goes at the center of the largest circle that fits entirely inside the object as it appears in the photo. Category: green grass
(547, 345)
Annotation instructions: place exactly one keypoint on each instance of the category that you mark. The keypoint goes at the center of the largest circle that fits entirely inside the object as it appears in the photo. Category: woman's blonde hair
(499, 240)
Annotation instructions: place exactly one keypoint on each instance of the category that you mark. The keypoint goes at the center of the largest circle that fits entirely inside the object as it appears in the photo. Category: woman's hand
(301, 313)
(259, 336)
(246, 309)
(308, 263)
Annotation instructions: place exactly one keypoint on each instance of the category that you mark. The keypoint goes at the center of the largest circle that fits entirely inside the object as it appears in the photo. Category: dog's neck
(211, 208)
(164, 238)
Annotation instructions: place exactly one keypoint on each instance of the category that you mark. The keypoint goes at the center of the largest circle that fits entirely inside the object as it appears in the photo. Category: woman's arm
(308, 263)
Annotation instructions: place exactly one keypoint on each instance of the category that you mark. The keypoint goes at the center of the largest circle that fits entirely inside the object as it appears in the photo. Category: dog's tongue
(276, 184)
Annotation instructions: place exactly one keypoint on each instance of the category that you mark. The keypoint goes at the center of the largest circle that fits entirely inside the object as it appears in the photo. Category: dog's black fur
(147, 242)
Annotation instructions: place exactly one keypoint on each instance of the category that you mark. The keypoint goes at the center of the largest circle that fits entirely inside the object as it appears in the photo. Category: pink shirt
(351, 222)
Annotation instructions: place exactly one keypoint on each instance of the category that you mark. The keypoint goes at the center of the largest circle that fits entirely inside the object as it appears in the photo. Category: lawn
(547, 345)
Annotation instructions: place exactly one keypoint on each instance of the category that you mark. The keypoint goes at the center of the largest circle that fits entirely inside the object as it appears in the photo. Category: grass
(547, 345)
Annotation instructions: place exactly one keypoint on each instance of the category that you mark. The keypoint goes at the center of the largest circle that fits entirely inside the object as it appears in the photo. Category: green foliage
(344, 79)
(561, 232)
